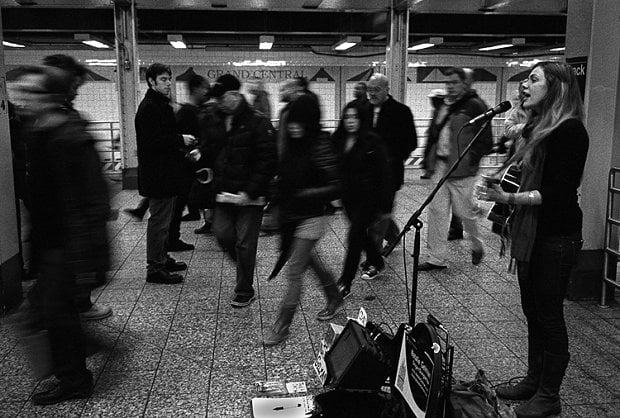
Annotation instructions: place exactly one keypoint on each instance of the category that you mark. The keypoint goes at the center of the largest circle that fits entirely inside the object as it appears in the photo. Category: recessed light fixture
(558, 49)
(426, 43)
(89, 40)
(507, 43)
(177, 41)
(347, 42)
(13, 44)
(265, 42)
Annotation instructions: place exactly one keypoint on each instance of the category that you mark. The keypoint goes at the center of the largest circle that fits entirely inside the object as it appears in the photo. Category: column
(128, 83)
(593, 32)
(396, 56)
(10, 259)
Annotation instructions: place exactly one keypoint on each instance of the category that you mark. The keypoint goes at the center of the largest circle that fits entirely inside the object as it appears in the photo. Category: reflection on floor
(182, 350)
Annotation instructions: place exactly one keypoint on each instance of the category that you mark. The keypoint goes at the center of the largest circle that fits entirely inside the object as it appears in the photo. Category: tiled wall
(99, 100)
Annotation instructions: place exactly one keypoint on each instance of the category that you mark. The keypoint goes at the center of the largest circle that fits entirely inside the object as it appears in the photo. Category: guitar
(500, 212)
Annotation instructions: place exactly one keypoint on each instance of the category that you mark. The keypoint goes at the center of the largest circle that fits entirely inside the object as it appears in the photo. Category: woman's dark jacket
(160, 147)
(366, 174)
(70, 201)
(248, 159)
(308, 177)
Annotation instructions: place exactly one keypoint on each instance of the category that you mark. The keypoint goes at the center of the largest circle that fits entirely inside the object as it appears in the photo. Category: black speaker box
(356, 361)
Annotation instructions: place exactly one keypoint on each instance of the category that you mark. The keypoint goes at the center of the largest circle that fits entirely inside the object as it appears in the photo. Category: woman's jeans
(302, 255)
(543, 282)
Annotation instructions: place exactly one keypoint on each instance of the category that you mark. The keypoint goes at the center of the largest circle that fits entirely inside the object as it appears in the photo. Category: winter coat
(247, 160)
(309, 177)
(459, 113)
(70, 200)
(396, 128)
(160, 147)
(366, 174)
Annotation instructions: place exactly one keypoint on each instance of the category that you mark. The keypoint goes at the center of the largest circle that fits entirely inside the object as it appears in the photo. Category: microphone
(500, 108)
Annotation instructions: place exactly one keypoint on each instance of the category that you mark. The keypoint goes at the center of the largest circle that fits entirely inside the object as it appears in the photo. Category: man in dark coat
(393, 122)
(160, 153)
(243, 169)
(360, 92)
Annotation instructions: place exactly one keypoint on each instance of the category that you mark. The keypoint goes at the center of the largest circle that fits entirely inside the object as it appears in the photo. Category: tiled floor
(181, 350)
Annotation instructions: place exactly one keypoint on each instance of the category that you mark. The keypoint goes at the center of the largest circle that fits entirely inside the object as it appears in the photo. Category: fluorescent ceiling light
(177, 41)
(558, 49)
(13, 44)
(347, 43)
(503, 44)
(426, 43)
(265, 42)
(86, 39)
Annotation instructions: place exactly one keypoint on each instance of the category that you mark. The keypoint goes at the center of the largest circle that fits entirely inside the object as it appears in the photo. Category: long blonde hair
(562, 102)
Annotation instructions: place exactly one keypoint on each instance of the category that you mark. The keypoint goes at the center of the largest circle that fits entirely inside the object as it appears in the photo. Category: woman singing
(546, 228)
(308, 180)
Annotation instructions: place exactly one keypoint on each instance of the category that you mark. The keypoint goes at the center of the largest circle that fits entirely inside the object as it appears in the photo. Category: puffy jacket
(160, 147)
(248, 159)
(308, 177)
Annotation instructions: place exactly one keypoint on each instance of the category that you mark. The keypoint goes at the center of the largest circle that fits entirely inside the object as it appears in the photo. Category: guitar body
(500, 212)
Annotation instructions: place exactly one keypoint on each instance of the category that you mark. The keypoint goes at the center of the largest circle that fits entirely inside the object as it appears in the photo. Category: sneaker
(476, 257)
(179, 245)
(172, 265)
(426, 266)
(96, 312)
(63, 392)
(274, 338)
(330, 311)
(190, 217)
(163, 277)
(204, 229)
(372, 273)
(241, 301)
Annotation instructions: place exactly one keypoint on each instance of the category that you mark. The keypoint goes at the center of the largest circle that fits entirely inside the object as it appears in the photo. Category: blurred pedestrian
(308, 180)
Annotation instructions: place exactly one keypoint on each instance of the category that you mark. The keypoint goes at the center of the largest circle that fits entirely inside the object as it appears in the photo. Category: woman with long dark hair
(546, 228)
(367, 195)
(308, 180)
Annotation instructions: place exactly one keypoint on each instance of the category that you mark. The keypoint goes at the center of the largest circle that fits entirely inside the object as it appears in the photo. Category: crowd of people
(219, 155)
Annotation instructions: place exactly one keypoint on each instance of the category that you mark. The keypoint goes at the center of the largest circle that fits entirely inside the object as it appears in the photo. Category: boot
(334, 302)
(280, 329)
(546, 400)
(526, 388)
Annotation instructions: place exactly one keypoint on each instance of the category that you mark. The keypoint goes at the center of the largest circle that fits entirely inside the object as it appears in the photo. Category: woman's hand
(491, 193)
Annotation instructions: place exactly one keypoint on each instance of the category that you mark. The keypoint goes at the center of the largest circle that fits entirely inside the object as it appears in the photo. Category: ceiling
(312, 25)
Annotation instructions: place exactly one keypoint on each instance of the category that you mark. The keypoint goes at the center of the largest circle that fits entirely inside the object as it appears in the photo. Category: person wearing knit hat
(244, 165)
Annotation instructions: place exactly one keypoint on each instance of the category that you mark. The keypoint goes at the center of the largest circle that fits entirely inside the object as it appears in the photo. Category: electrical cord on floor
(510, 381)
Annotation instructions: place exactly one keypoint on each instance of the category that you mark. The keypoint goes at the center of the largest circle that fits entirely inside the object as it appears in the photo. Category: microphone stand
(415, 222)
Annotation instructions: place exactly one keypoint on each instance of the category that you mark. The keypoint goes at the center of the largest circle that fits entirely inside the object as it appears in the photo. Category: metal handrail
(610, 254)
(107, 138)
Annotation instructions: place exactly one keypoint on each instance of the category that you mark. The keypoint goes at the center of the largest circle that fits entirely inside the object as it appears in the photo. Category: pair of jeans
(302, 256)
(543, 283)
(456, 196)
(174, 233)
(236, 229)
(157, 231)
(360, 238)
(53, 300)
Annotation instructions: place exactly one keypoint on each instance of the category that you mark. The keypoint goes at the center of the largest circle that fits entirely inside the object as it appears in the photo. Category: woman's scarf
(525, 217)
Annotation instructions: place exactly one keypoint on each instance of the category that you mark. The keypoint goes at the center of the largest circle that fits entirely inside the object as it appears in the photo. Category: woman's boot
(280, 329)
(546, 400)
(334, 302)
(527, 387)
